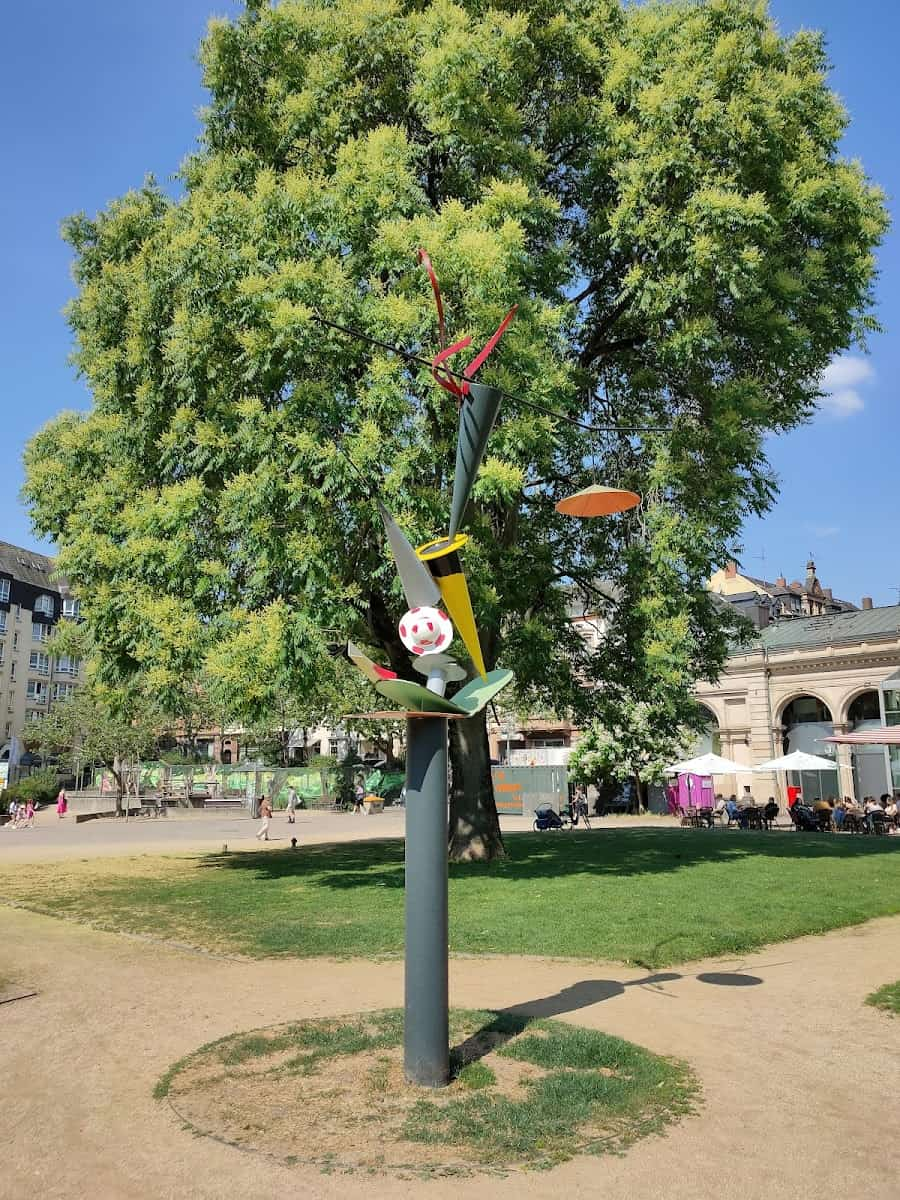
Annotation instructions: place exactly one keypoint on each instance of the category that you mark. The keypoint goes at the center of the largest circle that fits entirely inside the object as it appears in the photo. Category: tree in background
(101, 724)
(657, 185)
(634, 744)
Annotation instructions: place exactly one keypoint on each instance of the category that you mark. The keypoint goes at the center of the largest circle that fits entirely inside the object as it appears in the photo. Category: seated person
(839, 814)
(872, 806)
(770, 812)
(731, 808)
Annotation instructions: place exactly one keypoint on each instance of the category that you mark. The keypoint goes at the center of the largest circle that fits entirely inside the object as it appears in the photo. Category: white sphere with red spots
(426, 630)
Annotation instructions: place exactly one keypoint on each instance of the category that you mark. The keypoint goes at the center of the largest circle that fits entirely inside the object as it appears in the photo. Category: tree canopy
(658, 186)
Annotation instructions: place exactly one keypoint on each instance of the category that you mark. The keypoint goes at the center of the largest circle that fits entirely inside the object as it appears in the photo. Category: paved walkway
(801, 1080)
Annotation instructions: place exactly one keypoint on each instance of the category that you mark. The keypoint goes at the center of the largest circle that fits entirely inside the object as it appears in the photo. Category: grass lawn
(522, 1091)
(644, 896)
(887, 997)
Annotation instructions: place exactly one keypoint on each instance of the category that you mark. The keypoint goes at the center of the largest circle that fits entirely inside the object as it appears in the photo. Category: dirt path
(55, 840)
(797, 1073)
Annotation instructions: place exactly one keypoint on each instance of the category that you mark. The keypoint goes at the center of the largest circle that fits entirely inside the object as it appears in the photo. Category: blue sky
(95, 95)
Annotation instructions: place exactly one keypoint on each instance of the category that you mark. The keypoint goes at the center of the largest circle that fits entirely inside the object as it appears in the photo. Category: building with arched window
(802, 681)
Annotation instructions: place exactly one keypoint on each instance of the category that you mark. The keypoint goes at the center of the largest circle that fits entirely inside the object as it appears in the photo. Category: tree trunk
(640, 796)
(474, 824)
(116, 771)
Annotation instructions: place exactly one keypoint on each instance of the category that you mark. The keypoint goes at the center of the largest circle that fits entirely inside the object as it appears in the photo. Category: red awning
(868, 737)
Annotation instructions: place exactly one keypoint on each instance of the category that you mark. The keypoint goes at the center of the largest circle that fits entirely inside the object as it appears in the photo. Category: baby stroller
(546, 817)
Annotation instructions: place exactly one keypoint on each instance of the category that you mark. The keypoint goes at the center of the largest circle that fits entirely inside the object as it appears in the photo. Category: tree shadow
(533, 856)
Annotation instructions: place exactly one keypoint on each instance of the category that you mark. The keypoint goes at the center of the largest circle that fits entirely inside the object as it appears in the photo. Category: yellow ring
(440, 546)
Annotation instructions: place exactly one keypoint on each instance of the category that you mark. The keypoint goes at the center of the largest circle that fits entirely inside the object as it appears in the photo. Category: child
(291, 804)
(61, 803)
(29, 814)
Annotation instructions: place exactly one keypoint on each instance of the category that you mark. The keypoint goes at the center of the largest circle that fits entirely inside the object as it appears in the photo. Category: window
(70, 607)
(62, 691)
(2, 654)
(12, 669)
(66, 665)
(32, 714)
(39, 632)
(8, 727)
(36, 690)
(2, 618)
(4, 591)
(15, 639)
(39, 662)
(18, 612)
(44, 604)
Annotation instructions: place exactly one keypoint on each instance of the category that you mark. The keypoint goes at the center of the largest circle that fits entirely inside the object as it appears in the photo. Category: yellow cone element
(442, 558)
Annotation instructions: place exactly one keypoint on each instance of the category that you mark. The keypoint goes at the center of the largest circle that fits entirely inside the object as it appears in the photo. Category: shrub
(41, 787)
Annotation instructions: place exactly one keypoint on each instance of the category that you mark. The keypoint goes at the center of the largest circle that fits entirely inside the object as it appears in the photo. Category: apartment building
(32, 678)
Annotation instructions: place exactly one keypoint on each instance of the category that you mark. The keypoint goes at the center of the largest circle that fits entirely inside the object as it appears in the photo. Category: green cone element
(476, 420)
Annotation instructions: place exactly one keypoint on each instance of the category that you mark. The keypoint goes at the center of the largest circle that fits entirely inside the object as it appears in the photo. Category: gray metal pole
(426, 1035)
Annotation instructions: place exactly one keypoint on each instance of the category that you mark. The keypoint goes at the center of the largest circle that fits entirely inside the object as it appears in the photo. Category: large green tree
(658, 186)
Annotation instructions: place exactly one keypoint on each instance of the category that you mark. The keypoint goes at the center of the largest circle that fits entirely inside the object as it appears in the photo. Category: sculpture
(434, 586)
(437, 597)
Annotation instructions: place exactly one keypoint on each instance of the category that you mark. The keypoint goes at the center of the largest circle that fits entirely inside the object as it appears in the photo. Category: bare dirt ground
(800, 1079)
(53, 839)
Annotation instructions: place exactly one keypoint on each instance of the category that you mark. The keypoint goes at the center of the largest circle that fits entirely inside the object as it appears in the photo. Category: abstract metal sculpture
(432, 580)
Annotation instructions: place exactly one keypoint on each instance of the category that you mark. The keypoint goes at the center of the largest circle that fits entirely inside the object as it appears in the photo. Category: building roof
(834, 627)
(31, 567)
(781, 587)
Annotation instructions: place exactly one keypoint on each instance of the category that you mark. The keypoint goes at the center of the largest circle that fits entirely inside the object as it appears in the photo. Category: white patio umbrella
(707, 764)
(799, 760)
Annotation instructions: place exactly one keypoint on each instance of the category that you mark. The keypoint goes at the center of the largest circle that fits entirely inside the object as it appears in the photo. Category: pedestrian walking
(291, 804)
(29, 815)
(62, 803)
(358, 796)
(265, 812)
(13, 811)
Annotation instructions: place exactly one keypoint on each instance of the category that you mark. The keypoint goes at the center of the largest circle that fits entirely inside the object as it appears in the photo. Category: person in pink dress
(61, 803)
(29, 814)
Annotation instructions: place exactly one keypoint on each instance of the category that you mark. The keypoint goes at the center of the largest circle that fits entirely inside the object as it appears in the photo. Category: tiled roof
(30, 567)
(795, 588)
(835, 627)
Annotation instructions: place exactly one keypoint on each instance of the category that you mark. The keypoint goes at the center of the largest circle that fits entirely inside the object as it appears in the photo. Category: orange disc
(598, 501)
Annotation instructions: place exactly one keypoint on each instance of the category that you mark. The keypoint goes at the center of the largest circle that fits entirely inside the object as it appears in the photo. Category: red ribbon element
(457, 388)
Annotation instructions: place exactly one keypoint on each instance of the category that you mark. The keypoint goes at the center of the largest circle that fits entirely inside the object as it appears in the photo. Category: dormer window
(4, 591)
(44, 605)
